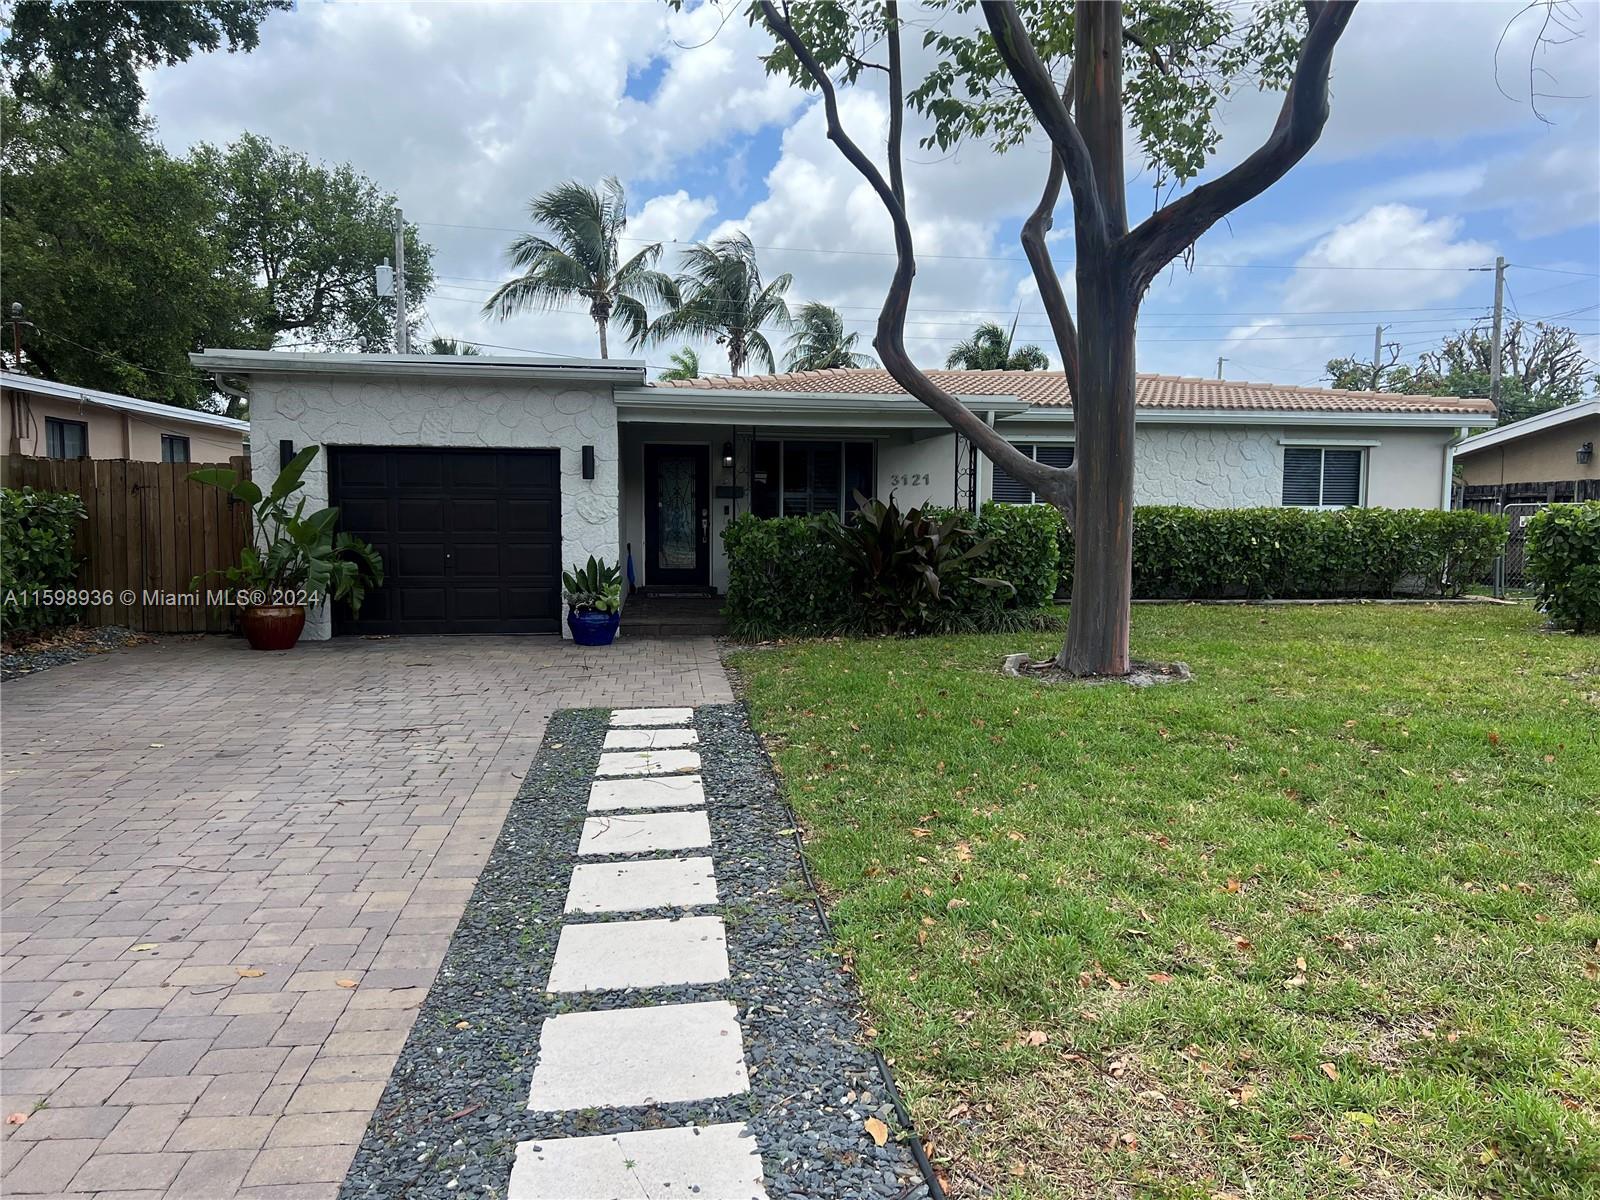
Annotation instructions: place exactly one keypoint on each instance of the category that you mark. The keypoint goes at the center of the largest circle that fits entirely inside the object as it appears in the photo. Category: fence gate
(1511, 568)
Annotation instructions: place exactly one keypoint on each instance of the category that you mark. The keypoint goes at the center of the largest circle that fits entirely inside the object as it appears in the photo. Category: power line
(1555, 270)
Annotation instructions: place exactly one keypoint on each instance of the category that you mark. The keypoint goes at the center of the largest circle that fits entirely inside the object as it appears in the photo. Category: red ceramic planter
(273, 626)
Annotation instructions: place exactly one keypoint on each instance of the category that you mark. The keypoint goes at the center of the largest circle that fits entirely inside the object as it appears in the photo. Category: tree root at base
(1140, 674)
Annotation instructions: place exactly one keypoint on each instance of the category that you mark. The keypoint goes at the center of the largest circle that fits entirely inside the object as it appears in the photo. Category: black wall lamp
(727, 455)
(588, 462)
(285, 453)
(1586, 452)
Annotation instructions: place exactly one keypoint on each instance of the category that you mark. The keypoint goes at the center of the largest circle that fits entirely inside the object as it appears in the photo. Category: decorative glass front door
(678, 514)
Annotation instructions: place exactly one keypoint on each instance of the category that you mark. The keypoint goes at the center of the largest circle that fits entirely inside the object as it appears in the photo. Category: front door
(677, 501)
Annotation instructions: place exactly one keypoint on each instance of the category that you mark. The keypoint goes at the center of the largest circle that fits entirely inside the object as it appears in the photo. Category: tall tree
(309, 235)
(1542, 366)
(990, 349)
(67, 56)
(685, 365)
(1066, 72)
(581, 259)
(818, 341)
(723, 297)
(112, 248)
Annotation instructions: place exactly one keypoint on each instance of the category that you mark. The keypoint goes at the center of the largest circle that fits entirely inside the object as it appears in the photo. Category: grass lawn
(1323, 922)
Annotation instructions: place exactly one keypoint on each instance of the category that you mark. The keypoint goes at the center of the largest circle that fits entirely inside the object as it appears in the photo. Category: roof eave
(1152, 415)
(615, 371)
(1539, 423)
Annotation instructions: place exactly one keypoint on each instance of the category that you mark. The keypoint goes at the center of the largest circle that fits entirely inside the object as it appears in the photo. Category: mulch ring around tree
(1140, 674)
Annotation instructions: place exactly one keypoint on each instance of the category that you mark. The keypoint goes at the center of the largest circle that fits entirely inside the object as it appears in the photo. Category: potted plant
(593, 593)
(297, 559)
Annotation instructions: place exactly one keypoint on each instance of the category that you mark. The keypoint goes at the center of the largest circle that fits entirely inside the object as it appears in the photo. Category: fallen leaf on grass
(1159, 977)
(1362, 1118)
(1331, 1071)
(1033, 1037)
(249, 972)
(876, 1130)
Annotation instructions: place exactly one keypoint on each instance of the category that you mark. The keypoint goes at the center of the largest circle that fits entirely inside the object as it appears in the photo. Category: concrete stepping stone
(606, 955)
(652, 716)
(712, 1162)
(669, 791)
(648, 762)
(637, 833)
(628, 1056)
(649, 739)
(649, 883)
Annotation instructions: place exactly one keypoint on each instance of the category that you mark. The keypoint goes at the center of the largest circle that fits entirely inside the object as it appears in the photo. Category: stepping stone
(652, 716)
(637, 833)
(711, 1162)
(671, 791)
(648, 762)
(650, 883)
(627, 1056)
(605, 955)
(649, 739)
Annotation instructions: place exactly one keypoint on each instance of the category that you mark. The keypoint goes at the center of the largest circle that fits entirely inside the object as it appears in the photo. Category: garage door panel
(470, 538)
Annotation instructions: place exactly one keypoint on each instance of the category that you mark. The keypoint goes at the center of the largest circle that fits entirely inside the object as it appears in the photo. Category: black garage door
(470, 539)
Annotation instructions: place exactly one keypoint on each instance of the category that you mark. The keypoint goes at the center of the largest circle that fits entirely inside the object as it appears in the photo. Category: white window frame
(843, 444)
(1365, 449)
(188, 447)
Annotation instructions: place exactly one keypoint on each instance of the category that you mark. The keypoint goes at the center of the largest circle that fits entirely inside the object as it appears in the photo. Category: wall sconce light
(285, 453)
(1586, 452)
(588, 462)
(727, 455)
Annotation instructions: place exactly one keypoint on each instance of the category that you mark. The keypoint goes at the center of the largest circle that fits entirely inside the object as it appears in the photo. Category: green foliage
(819, 342)
(1296, 553)
(906, 568)
(72, 56)
(439, 344)
(593, 586)
(1564, 556)
(990, 349)
(308, 235)
(685, 365)
(720, 294)
(38, 540)
(782, 578)
(295, 551)
(581, 260)
(113, 249)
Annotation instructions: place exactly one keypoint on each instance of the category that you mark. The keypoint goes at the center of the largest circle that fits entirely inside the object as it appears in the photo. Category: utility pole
(402, 338)
(1220, 361)
(1377, 357)
(1494, 337)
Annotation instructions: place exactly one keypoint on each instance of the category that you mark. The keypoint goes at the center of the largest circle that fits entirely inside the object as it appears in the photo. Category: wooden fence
(1492, 497)
(150, 530)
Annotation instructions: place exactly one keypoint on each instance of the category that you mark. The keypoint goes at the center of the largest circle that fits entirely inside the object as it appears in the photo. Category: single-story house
(44, 419)
(1546, 457)
(478, 478)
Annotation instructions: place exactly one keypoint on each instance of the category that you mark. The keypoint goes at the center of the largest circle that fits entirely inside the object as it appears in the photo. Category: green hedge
(38, 538)
(784, 578)
(1564, 557)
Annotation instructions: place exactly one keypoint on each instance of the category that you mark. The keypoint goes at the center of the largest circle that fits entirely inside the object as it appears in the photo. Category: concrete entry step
(629, 1056)
(711, 1162)
(649, 739)
(639, 833)
(607, 955)
(666, 791)
(652, 716)
(647, 762)
(648, 883)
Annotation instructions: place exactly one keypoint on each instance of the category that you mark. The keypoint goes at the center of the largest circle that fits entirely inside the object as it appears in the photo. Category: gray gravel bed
(455, 1107)
(67, 646)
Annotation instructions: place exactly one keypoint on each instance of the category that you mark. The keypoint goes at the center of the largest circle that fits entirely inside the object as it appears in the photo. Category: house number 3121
(917, 479)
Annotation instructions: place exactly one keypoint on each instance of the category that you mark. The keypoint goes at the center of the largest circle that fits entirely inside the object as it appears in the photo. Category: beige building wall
(1548, 456)
(112, 433)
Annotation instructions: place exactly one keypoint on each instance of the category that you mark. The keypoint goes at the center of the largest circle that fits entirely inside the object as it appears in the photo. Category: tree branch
(1057, 486)
(1034, 245)
(1039, 90)
(1169, 231)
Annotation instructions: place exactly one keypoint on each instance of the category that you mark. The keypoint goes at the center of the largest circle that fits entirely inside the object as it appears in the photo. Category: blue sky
(1427, 170)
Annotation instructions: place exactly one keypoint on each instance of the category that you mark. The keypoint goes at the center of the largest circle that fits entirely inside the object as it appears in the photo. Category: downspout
(1448, 489)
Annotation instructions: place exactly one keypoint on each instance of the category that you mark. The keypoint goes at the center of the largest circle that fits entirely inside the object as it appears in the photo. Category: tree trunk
(601, 326)
(1102, 576)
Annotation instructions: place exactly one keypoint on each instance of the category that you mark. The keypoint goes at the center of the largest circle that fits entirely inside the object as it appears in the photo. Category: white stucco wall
(387, 411)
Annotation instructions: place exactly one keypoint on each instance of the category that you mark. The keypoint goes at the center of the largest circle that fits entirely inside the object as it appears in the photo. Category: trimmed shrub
(784, 577)
(1564, 556)
(38, 538)
(1024, 550)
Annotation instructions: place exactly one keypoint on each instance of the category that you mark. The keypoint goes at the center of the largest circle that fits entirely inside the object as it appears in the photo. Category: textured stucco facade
(1544, 456)
(389, 411)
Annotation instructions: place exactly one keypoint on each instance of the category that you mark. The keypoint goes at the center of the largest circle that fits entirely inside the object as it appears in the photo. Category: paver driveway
(204, 847)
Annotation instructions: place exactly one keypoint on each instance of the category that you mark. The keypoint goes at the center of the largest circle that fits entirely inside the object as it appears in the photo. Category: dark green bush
(784, 577)
(38, 540)
(1564, 557)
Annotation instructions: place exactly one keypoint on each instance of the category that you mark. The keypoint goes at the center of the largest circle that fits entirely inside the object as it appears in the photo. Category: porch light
(727, 455)
(1586, 452)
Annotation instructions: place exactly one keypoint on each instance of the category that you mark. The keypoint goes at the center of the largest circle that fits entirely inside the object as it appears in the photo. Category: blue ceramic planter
(593, 628)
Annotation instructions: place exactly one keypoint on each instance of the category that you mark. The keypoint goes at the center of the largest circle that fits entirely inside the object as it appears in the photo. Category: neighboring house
(478, 478)
(1546, 457)
(44, 419)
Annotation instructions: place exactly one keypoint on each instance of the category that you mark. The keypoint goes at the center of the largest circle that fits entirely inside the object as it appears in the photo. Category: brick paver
(205, 848)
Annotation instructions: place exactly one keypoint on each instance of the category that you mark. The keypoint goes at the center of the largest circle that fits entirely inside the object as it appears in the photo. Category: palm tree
(819, 341)
(582, 260)
(989, 349)
(723, 297)
(439, 344)
(685, 365)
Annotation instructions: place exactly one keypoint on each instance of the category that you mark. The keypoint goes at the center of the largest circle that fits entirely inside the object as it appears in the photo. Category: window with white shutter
(1010, 491)
(1321, 477)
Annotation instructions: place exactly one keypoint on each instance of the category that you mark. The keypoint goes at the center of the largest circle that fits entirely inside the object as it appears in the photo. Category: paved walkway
(205, 848)
(650, 798)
